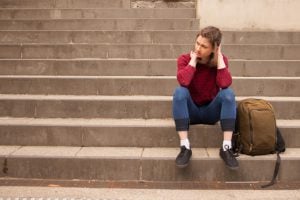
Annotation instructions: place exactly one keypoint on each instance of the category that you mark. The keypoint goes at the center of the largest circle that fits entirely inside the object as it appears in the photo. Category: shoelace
(182, 151)
(229, 151)
(226, 147)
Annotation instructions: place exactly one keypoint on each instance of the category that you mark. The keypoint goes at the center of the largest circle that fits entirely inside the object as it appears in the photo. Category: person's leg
(223, 108)
(183, 110)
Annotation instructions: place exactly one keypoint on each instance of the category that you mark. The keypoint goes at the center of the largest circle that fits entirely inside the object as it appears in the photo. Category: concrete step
(261, 37)
(142, 36)
(92, 13)
(142, 51)
(64, 4)
(142, 164)
(118, 107)
(96, 4)
(91, 37)
(231, 191)
(100, 132)
(101, 24)
(140, 67)
(137, 85)
(163, 4)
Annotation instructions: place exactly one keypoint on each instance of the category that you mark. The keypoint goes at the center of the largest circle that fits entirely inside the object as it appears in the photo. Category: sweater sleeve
(185, 72)
(224, 78)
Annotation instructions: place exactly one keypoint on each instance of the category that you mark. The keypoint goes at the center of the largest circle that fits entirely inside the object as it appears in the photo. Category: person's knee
(227, 95)
(180, 93)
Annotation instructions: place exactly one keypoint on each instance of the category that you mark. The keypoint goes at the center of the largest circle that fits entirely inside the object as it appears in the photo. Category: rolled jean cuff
(228, 124)
(182, 124)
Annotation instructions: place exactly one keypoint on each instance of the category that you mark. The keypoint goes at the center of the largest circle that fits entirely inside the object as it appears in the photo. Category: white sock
(226, 144)
(185, 142)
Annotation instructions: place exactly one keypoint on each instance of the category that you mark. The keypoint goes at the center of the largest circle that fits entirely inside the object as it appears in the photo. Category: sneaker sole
(233, 168)
(182, 166)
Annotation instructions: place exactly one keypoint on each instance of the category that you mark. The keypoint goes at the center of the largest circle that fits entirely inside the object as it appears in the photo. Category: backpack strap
(280, 143)
(280, 147)
(276, 170)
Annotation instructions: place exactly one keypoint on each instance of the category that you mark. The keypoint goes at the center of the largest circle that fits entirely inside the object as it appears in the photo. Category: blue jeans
(222, 108)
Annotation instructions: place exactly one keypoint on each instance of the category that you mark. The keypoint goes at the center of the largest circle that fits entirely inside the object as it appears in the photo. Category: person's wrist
(220, 56)
(193, 62)
(221, 65)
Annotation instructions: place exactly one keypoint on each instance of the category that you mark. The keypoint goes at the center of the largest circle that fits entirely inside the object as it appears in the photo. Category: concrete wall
(250, 14)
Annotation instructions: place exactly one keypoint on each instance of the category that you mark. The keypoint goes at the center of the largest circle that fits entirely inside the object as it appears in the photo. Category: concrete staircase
(86, 86)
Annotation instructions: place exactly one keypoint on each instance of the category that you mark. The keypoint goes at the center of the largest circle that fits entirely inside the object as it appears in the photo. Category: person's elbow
(223, 83)
(183, 81)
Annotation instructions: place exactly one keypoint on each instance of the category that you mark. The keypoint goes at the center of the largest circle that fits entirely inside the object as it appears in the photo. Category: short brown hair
(213, 34)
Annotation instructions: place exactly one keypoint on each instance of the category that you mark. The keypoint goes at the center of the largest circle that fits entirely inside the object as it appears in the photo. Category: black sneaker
(229, 158)
(183, 157)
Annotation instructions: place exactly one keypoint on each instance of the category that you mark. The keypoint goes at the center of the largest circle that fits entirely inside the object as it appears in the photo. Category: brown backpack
(257, 133)
(257, 127)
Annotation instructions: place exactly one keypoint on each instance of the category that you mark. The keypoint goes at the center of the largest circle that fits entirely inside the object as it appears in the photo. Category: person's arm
(224, 78)
(221, 62)
(186, 68)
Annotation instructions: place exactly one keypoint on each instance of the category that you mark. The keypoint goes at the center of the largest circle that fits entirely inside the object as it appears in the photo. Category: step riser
(163, 4)
(96, 13)
(123, 136)
(264, 87)
(89, 68)
(265, 68)
(95, 4)
(107, 169)
(242, 37)
(135, 51)
(111, 109)
(147, 170)
(91, 37)
(64, 4)
(85, 109)
(262, 52)
(147, 37)
(136, 86)
(139, 68)
(216, 171)
(101, 24)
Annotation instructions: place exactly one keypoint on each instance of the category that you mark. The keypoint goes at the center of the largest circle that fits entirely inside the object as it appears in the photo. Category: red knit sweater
(203, 82)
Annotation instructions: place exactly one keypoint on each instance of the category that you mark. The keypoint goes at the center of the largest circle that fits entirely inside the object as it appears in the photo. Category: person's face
(203, 47)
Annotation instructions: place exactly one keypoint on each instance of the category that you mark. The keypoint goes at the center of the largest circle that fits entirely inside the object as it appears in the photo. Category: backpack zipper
(251, 132)
(251, 127)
